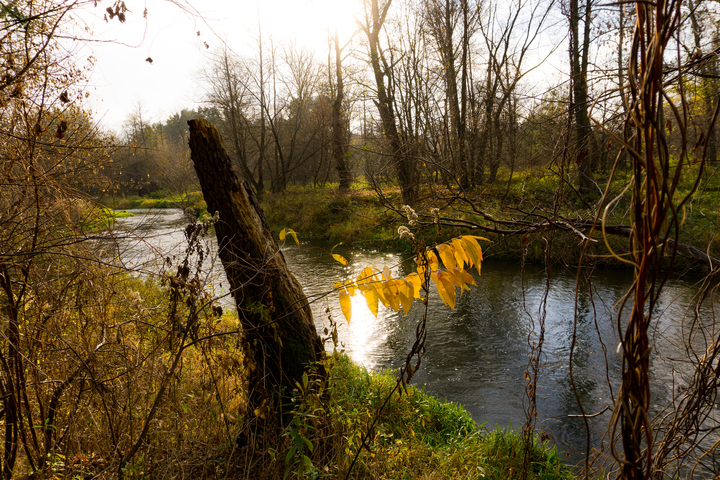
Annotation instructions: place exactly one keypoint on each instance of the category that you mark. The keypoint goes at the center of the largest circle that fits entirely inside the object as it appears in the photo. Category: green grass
(159, 199)
(415, 436)
(121, 213)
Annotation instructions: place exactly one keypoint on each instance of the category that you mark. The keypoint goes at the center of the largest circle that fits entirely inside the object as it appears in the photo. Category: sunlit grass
(416, 435)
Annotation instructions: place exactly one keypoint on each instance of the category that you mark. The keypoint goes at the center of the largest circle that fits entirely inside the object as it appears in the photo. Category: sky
(122, 80)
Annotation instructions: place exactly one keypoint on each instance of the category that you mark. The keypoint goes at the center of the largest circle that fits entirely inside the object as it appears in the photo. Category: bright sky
(122, 79)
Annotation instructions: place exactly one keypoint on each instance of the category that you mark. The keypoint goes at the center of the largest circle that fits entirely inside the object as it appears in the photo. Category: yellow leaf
(367, 275)
(446, 280)
(431, 259)
(390, 291)
(445, 287)
(457, 281)
(447, 255)
(473, 250)
(386, 274)
(380, 292)
(404, 287)
(337, 257)
(466, 278)
(340, 258)
(350, 285)
(371, 298)
(405, 293)
(346, 304)
(682, 222)
(461, 278)
(288, 231)
(415, 280)
(460, 255)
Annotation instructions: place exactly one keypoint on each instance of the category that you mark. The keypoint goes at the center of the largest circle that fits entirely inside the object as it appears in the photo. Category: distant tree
(228, 90)
(406, 169)
(444, 19)
(340, 137)
(580, 15)
(292, 132)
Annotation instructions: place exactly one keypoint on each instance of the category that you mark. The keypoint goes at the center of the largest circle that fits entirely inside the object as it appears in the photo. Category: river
(477, 355)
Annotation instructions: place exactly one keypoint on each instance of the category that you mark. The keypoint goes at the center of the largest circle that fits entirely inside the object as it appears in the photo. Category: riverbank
(358, 218)
(415, 435)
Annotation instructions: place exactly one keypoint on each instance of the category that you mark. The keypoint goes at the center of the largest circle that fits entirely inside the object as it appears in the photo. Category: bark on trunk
(278, 330)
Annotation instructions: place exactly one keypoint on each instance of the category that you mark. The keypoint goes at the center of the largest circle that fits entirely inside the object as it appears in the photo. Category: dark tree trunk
(279, 335)
(585, 156)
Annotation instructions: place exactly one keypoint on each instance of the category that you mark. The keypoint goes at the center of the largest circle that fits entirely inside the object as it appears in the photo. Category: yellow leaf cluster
(378, 286)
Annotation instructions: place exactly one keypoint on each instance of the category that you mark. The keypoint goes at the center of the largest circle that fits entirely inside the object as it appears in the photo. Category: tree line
(458, 93)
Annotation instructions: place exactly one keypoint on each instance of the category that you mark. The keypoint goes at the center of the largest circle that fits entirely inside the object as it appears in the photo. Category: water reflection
(477, 354)
(365, 338)
(152, 240)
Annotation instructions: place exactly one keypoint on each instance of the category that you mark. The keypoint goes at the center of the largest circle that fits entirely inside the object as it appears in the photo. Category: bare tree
(444, 18)
(228, 90)
(579, 52)
(406, 169)
(339, 119)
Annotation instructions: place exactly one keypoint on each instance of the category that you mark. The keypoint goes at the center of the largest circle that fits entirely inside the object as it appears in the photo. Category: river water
(477, 355)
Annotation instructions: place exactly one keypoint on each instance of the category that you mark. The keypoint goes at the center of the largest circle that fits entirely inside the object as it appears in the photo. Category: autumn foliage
(378, 286)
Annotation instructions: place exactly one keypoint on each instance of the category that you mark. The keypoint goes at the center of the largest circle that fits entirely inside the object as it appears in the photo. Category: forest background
(432, 105)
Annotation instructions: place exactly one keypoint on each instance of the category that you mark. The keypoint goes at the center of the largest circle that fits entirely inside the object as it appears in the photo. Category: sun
(309, 22)
(340, 13)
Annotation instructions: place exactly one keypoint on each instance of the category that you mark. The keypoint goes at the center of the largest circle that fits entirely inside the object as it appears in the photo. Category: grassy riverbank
(158, 199)
(358, 218)
(184, 406)
(415, 436)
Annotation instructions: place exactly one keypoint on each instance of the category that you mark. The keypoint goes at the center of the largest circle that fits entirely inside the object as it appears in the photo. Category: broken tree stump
(279, 334)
